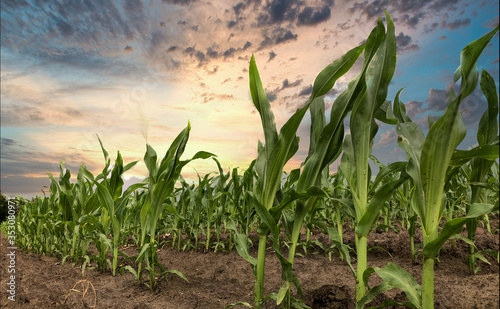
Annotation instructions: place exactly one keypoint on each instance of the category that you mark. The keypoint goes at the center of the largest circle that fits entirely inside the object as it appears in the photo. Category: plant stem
(259, 279)
(428, 284)
(361, 249)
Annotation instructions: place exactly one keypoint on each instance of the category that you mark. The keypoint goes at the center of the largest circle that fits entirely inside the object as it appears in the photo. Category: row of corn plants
(89, 220)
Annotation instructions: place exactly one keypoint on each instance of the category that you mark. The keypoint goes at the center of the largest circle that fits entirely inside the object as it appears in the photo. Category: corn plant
(372, 84)
(428, 161)
(161, 181)
(487, 135)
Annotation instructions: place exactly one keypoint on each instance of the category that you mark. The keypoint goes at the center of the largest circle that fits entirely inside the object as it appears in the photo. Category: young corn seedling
(161, 181)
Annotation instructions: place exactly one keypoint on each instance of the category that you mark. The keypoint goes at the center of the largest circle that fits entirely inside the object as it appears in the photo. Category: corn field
(438, 190)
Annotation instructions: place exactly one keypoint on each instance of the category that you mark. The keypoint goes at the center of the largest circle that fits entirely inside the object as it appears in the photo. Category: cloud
(8, 142)
(437, 99)
(272, 55)
(403, 43)
(455, 24)
(286, 36)
(129, 48)
(411, 21)
(310, 16)
(472, 107)
(306, 91)
(492, 23)
(429, 28)
(287, 84)
(411, 12)
(278, 11)
(179, 2)
(386, 138)
(414, 108)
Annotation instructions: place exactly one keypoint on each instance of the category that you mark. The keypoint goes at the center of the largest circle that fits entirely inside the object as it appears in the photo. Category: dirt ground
(219, 279)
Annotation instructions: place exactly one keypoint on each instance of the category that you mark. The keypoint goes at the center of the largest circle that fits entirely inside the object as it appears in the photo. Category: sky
(136, 71)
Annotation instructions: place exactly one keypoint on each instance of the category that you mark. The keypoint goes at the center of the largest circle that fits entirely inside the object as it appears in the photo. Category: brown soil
(219, 279)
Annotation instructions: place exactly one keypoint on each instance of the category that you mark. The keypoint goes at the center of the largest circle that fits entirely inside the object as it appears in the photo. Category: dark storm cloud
(129, 48)
(404, 43)
(212, 53)
(411, 12)
(429, 28)
(272, 55)
(74, 32)
(437, 99)
(229, 52)
(179, 2)
(295, 11)
(287, 36)
(64, 28)
(247, 45)
(238, 8)
(278, 11)
(8, 142)
(471, 108)
(310, 16)
(455, 24)
(33, 161)
(14, 4)
(411, 21)
(277, 36)
(306, 91)
(287, 84)
(414, 108)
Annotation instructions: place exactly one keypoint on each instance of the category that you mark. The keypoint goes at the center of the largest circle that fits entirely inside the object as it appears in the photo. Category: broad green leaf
(468, 62)
(454, 226)
(379, 73)
(282, 292)
(203, 155)
(488, 125)
(391, 168)
(372, 213)
(241, 242)
(150, 159)
(486, 152)
(393, 276)
(173, 271)
(385, 114)
(441, 141)
(399, 109)
(328, 76)
(239, 304)
(262, 105)
(317, 110)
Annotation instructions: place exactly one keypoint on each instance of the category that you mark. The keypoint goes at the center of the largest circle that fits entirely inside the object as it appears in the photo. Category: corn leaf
(486, 152)
(454, 226)
(488, 124)
(393, 276)
(378, 200)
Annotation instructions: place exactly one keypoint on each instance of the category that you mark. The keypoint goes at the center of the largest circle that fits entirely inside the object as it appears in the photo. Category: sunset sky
(136, 71)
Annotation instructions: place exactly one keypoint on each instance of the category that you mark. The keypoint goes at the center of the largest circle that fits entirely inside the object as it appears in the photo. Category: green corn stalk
(487, 135)
(378, 68)
(161, 181)
(278, 149)
(428, 161)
